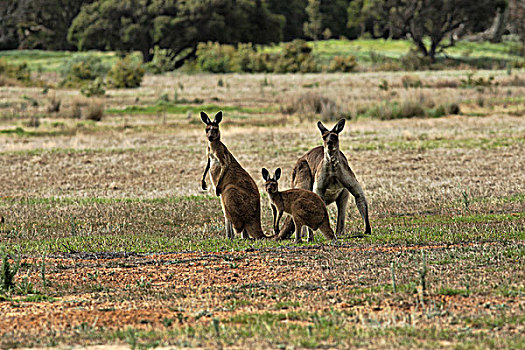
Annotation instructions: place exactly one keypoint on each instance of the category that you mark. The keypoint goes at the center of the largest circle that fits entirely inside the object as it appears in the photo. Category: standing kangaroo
(240, 198)
(325, 170)
(306, 208)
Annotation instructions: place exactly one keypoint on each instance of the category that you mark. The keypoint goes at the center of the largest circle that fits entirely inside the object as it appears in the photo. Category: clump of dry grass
(7, 81)
(409, 81)
(75, 112)
(516, 81)
(314, 103)
(33, 122)
(446, 83)
(54, 105)
(95, 110)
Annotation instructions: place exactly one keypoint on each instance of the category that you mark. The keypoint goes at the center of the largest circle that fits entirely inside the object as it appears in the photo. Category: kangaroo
(306, 208)
(240, 198)
(325, 170)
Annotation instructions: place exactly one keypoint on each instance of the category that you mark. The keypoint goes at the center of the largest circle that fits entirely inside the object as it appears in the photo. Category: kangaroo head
(331, 137)
(271, 185)
(212, 127)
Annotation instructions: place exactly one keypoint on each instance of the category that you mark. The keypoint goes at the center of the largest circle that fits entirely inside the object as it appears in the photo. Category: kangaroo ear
(277, 175)
(322, 127)
(205, 119)
(339, 126)
(218, 117)
(265, 174)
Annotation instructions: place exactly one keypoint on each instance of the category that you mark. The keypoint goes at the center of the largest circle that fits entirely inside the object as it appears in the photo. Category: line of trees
(177, 26)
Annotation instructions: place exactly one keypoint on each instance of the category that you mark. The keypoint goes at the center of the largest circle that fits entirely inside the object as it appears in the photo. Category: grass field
(370, 54)
(120, 246)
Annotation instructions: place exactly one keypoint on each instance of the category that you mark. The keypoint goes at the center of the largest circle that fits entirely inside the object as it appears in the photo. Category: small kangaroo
(325, 170)
(306, 208)
(239, 194)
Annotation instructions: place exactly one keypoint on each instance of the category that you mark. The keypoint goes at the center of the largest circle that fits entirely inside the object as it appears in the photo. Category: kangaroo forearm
(206, 170)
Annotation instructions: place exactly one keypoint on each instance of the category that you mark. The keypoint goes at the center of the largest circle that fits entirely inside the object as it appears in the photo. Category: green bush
(126, 73)
(94, 88)
(161, 62)
(18, 72)
(81, 69)
(296, 58)
(414, 61)
(342, 64)
(216, 58)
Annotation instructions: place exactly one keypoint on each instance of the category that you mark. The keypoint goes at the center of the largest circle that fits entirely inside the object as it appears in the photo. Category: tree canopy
(177, 26)
(435, 20)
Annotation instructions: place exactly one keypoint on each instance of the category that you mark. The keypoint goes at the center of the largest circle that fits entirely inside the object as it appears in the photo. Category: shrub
(296, 58)
(161, 62)
(215, 58)
(54, 105)
(126, 73)
(81, 69)
(95, 110)
(414, 61)
(94, 88)
(342, 64)
(410, 109)
(470, 81)
(19, 72)
(8, 273)
(396, 110)
(314, 103)
(410, 82)
(76, 110)
(262, 62)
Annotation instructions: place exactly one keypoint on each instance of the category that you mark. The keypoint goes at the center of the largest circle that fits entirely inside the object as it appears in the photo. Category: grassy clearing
(367, 53)
(51, 61)
(192, 224)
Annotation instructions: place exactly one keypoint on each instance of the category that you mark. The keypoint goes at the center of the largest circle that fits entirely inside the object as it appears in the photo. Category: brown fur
(325, 170)
(239, 194)
(305, 207)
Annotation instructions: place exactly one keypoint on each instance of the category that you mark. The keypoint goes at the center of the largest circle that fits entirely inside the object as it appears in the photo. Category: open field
(369, 54)
(120, 246)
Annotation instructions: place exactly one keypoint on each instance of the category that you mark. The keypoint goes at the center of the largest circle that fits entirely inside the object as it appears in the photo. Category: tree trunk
(180, 62)
(147, 55)
(499, 25)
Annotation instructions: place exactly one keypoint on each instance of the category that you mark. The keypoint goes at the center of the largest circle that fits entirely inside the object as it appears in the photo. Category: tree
(295, 15)
(369, 16)
(517, 19)
(175, 25)
(333, 16)
(434, 21)
(313, 27)
(8, 35)
(39, 24)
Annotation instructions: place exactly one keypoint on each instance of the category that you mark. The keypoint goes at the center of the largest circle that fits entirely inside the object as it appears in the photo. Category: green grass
(51, 61)
(367, 52)
(192, 223)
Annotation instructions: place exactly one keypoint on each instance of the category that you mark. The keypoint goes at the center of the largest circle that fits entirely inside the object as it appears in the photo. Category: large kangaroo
(239, 194)
(305, 207)
(325, 170)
